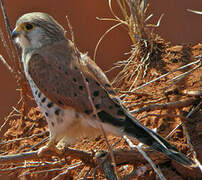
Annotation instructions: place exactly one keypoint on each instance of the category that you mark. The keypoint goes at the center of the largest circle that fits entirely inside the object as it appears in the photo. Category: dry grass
(145, 44)
(147, 50)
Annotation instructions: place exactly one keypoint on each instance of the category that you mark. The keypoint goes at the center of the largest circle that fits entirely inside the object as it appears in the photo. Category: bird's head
(34, 30)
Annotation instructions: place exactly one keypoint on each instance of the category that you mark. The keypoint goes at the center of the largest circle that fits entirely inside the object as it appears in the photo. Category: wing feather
(57, 71)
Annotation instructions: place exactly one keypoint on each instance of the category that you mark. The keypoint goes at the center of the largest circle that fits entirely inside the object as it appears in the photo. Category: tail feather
(133, 128)
(155, 141)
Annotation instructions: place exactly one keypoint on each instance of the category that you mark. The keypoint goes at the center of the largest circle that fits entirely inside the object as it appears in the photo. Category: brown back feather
(56, 70)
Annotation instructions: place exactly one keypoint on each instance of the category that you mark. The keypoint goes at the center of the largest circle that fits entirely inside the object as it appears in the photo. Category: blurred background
(177, 26)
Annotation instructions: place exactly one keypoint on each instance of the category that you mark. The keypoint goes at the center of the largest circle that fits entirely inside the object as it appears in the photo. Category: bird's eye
(28, 27)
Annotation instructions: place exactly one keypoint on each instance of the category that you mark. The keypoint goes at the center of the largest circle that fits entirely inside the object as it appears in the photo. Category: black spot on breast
(36, 92)
(46, 114)
(75, 94)
(97, 83)
(75, 68)
(57, 112)
(59, 67)
(81, 88)
(87, 80)
(88, 111)
(50, 104)
(96, 93)
(43, 100)
(39, 95)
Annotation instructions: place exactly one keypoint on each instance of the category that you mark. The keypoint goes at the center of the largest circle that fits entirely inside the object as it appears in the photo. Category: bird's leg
(49, 149)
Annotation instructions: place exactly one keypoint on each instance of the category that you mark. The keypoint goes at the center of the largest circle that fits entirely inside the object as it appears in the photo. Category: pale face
(31, 39)
(28, 38)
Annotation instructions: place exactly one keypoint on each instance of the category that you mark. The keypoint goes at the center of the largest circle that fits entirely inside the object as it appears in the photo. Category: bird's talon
(48, 151)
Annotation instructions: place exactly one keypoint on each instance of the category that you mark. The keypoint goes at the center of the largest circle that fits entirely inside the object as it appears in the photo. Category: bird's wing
(98, 74)
(62, 75)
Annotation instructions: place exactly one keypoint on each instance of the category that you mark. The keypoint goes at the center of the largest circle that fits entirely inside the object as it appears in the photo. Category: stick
(121, 156)
(170, 105)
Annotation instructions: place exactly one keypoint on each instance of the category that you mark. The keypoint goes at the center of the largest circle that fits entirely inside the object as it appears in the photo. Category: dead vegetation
(160, 84)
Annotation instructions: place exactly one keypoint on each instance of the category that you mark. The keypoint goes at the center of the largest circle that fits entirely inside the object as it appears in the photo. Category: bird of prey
(71, 90)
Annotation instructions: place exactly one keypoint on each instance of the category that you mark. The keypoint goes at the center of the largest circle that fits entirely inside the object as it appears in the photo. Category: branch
(121, 156)
(170, 105)
(138, 147)
(16, 158)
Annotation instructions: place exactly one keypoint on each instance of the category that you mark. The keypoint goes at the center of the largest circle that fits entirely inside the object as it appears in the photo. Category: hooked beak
(15, 34)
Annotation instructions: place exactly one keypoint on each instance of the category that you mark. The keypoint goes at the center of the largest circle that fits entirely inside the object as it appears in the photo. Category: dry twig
(138, 147)
(121, 156)
(169, 105)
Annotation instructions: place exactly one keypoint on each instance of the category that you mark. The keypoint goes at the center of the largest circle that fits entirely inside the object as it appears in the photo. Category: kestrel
(62, 79)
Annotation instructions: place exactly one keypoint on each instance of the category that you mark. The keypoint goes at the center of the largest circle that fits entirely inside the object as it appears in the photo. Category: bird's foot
(49, 150)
